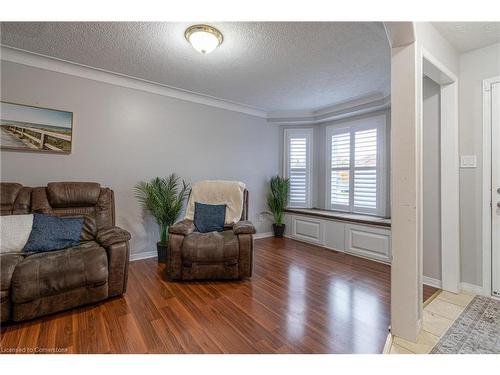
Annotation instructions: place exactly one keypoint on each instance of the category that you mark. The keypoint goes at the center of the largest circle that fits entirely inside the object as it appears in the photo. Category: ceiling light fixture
(203, 38)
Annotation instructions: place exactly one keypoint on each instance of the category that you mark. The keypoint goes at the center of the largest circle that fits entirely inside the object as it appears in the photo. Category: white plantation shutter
(355, 169)
(340, 163)
(365, 169)
(298, 165)
(298, 170)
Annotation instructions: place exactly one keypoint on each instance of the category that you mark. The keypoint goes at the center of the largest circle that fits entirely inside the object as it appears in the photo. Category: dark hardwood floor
(429, 291)
(301, 299)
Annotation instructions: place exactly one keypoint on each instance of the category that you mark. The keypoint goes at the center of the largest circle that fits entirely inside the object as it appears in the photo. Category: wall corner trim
(40, 61)
(400, 34)
(486, 198)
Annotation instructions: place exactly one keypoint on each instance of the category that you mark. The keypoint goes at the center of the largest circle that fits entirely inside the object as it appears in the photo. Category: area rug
(476, 330)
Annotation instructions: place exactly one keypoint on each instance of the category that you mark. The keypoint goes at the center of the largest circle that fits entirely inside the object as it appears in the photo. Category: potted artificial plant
(164, 198)
(277, 200)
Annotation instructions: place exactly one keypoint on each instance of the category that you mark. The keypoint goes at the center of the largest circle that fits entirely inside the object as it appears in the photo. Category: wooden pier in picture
(38, 129)
(34, 138)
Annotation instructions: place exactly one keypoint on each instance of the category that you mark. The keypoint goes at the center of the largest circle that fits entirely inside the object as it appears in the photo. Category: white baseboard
(473, 289)
(143, 255)
(337, 250)
(432, 282)
(54, 64)
(388, 344)
(463, 287)
(258, 236)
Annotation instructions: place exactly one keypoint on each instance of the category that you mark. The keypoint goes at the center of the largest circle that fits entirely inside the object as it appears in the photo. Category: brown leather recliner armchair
(36, 284)
(215, 255)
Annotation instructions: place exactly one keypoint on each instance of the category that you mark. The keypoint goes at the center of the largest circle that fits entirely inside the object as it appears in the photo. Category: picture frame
(29, 128)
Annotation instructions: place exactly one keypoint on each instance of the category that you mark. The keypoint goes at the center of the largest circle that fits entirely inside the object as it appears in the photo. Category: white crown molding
(40, 61)
(331, 113)
(335, 112)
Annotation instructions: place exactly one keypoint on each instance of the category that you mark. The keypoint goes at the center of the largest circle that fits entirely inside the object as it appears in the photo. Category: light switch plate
(468, 161)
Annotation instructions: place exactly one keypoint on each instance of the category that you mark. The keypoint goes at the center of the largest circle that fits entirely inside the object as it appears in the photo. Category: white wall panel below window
(308, 229)
(365, 240)
(334, 235)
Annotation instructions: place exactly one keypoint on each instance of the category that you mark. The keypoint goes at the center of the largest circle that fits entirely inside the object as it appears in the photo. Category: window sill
(343, 216)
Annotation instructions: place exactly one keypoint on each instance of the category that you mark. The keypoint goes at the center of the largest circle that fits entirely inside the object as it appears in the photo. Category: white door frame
(450, 180)
(487, 208)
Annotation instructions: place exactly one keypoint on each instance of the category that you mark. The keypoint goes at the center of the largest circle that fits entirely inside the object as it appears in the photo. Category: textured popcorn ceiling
(270, 66)
(466, 36)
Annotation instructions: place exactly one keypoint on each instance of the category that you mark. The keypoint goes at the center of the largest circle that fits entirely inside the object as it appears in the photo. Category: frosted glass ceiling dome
(203, 38)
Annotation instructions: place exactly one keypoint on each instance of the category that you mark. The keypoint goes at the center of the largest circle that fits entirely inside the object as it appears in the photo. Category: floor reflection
(353, 313)
(296, 316)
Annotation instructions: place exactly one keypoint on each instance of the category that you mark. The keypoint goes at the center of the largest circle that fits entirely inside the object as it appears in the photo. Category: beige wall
(474, 67)
(123, 135)
(434, 43)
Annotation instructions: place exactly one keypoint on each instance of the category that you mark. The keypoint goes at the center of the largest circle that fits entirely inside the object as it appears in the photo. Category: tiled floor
(438, 316)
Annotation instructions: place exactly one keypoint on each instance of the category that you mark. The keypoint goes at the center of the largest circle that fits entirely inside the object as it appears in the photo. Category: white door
(495, 188)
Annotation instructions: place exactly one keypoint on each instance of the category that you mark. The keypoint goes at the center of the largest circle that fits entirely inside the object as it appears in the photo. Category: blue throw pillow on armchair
(209, 217)
(53, 233)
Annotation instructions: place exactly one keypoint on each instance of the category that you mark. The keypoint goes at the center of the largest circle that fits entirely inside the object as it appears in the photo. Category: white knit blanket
(229, 193)
(14, 232)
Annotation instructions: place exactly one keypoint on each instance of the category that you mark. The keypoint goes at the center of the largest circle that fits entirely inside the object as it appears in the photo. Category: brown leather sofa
(36, 284)
(215, 255)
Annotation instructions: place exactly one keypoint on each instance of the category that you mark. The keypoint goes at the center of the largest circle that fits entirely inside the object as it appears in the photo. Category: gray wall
(122, 136)
(431, 180)
(474, 67)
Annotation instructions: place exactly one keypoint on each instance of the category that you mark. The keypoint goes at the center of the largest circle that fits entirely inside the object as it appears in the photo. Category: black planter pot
(278, 230)
(162, 252)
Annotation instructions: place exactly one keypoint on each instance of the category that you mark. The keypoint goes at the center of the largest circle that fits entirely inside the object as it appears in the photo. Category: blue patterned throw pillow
(209, 217)
(53, 233)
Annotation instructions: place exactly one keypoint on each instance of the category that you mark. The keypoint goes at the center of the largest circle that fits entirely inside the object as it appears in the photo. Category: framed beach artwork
(29, 128)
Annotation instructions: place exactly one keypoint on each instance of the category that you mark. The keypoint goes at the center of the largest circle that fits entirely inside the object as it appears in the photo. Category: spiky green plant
(277, 198)
(164, 198)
